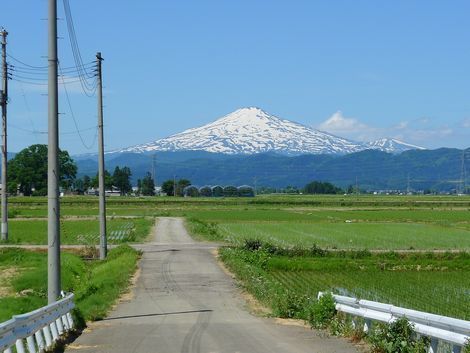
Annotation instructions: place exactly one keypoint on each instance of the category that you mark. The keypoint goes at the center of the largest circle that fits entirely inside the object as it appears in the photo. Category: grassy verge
(288, 280)
(96, 284)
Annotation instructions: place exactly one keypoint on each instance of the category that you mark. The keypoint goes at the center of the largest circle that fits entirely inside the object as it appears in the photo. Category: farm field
(79, 231)
(378, 229)
(436, 282)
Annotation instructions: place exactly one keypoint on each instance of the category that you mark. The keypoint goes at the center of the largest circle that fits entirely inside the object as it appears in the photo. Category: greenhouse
(191, 191)
(205, 191)
(246, 191)
(217, 191)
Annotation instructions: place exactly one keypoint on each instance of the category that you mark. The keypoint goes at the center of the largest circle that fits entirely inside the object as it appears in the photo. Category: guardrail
(39, 329)
(439, 328)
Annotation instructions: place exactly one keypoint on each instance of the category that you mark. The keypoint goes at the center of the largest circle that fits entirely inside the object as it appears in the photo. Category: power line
(88, 89)
(88, 147)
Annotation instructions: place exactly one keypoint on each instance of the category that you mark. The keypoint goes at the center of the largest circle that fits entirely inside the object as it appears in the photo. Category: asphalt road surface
(184, 302)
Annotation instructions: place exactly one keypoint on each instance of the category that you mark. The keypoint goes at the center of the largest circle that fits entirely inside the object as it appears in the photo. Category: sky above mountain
(358, 69)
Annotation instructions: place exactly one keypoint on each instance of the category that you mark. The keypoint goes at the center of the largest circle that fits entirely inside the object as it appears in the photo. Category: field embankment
(96, 284)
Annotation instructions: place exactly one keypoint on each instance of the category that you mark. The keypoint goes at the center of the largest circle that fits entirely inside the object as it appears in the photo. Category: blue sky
(358, 69)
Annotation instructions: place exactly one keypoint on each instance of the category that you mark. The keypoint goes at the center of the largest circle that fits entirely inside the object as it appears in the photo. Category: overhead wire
(88, 89)
(84, 73)
(88, 147)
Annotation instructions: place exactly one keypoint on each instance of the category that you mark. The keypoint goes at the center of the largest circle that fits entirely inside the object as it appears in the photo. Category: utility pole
(103, 238)
(3, 103)
(462, 184)
(154, 156)
(255, 181)
(174, 185)
(53, 210)
(408, 189)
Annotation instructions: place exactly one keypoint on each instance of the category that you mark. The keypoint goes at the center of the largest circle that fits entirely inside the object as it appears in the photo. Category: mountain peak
(252, 130)
(392, 145)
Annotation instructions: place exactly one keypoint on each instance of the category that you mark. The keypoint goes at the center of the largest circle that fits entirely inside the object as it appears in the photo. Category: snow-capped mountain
(252, 130)
(392, 145)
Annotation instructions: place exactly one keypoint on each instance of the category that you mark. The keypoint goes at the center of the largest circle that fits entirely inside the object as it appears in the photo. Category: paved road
(184, 302)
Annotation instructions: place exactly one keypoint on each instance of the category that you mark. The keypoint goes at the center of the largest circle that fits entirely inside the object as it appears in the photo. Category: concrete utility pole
(53, 210)
(174, 185)
(103, 238)
(154, 156)
(3, 103)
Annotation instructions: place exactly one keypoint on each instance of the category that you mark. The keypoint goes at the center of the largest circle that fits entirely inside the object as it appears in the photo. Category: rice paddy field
(410, 251)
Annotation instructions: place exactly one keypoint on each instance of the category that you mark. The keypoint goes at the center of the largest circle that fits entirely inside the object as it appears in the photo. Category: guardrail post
(65, 322)
(60, 327)
(20, 346)
(70, 320)
(31, 344)
(367, 325)
(55, 334)
(8, 350)
(40, 340)
(354, 322)
(47, 335)
(434, 345)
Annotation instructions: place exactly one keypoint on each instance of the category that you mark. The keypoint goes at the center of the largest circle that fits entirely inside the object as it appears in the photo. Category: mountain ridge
(252, 130)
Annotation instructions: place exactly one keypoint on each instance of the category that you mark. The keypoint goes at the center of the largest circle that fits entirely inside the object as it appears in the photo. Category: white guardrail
(454, 332)
(39, 328)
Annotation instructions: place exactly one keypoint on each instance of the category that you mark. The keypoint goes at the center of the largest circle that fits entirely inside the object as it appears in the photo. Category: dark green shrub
(288, 304)
(397, 337)
(322, 311)
(252, 244)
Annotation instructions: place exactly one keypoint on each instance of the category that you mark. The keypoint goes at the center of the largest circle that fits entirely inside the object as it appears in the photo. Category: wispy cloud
(421, 131)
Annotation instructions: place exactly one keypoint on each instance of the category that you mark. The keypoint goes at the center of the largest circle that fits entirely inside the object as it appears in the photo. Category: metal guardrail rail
(439, 328)
(39, 329)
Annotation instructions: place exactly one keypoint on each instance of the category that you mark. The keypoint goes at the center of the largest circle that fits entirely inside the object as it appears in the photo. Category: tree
(86, 182)
(147, 185)
(28, 171)
(318, 187)
(168, 186)
(108, 181)
(180, 185)
(121, 179)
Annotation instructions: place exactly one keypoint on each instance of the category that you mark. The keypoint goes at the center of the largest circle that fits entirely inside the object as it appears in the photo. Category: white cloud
(422, 131)
(466, 123)
(337, 123)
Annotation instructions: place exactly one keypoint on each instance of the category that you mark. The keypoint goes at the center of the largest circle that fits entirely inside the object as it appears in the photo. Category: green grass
(432, 283)
(76, 231)
(96, 284)
(385, 236)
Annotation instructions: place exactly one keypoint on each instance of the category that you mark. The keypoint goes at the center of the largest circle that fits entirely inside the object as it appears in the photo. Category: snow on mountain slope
(392, 145)
(252, 130)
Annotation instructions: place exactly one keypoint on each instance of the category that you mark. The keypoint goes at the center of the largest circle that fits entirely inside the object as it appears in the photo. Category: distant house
(96, 192)
(113, 192)
(92, 192)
